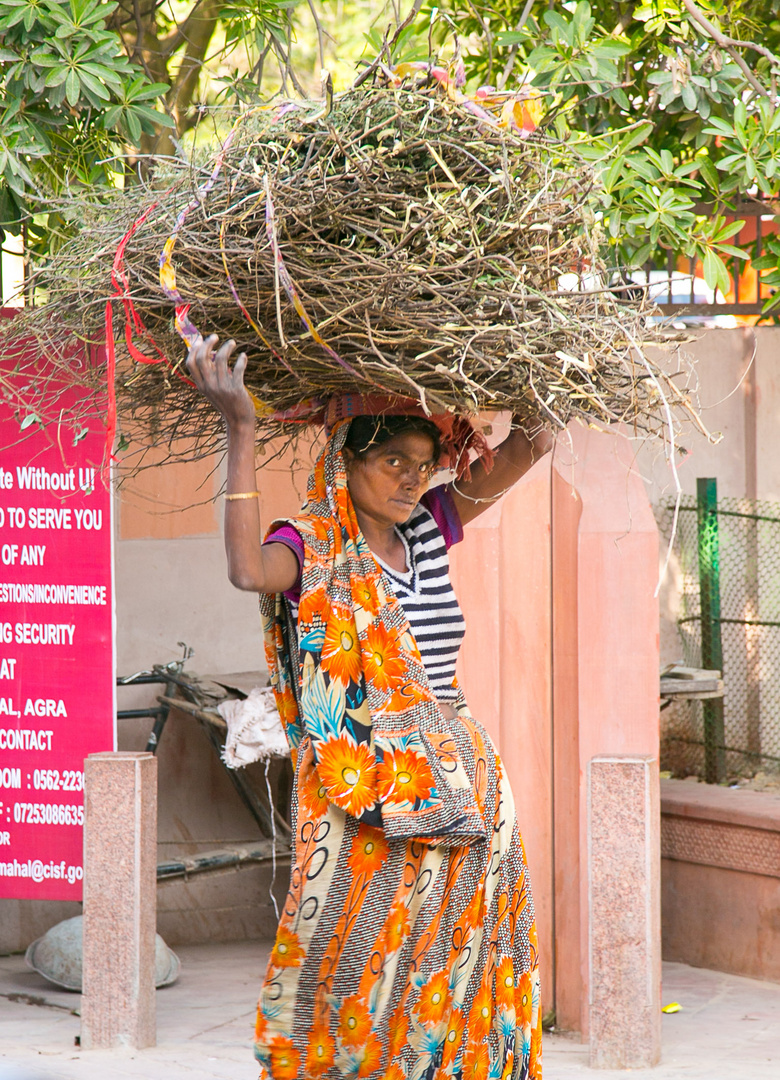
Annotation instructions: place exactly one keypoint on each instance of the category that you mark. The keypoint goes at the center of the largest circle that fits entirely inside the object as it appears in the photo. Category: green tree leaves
(576, 55)
(71, 98)
(749, 145)
(87, 86)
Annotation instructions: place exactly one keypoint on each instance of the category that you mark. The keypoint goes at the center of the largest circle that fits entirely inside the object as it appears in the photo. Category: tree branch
(388, 46)
(257, 71)
(284, 60)
(697, 14)
(482, 20)
(140, 40)
(510, 61)
(201, 23)
(320, 39)
(182, 33)
(413, 13)
(731, 45)
(291, 69)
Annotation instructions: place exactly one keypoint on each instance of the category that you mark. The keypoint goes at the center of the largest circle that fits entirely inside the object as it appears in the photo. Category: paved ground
(728, 1027)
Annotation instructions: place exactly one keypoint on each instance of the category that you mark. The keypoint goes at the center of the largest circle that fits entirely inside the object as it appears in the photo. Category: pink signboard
(57, 698)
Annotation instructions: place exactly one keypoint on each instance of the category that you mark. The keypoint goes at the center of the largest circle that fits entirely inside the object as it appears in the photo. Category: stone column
(560, 662)
(624, 827)
(120, 900)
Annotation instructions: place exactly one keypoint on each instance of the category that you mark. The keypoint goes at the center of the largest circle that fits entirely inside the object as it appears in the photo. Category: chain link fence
(726, 568)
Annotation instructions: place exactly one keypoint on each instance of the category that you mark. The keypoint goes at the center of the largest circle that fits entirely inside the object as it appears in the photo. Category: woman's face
(388, 481)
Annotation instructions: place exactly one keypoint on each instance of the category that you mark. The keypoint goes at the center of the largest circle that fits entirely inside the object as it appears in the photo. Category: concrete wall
(737, 382)
(171, 583)
(738, 386)
(721, 878)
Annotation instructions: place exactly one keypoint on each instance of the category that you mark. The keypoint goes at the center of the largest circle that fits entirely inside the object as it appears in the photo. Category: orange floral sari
(407, 943)
(381, 747)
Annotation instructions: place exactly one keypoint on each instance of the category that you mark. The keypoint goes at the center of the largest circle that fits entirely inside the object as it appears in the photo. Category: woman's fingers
(203, 361)
(198, 358)
(240, 367)
(213, 376)
(221, 358)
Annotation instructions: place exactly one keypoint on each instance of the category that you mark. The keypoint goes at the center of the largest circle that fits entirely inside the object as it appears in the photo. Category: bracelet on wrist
(242, 495)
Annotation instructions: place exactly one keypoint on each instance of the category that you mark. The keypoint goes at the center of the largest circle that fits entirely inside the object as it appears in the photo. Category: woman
(407, 944)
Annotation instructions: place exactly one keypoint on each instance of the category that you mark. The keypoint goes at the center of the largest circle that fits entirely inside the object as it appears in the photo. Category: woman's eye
(394, 462)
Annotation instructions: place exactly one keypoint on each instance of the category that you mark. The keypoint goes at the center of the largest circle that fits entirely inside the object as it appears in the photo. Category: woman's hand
(222, 385)
(250, 565)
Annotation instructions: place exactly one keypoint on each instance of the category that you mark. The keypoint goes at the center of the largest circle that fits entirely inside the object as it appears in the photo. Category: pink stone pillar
(624, 883)
(616, 711)
(120, 900)
(560, 663)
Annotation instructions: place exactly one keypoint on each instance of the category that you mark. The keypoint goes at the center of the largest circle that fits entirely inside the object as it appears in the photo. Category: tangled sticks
(397, 244)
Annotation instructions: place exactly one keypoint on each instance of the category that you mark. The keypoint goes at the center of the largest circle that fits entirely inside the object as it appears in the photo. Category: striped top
(424, 591)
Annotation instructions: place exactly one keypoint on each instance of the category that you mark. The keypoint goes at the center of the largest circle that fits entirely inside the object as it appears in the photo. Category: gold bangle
(243, 495)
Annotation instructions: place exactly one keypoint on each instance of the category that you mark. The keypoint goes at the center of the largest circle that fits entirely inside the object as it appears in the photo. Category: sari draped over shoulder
(407, 946)
(381, 746)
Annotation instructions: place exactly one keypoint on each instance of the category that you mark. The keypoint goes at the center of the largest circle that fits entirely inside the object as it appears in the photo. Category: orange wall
(170, 502)
(501, 574)
(175, 500)
(560, 663)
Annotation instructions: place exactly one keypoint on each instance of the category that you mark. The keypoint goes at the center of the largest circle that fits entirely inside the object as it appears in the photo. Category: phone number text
(26, 813)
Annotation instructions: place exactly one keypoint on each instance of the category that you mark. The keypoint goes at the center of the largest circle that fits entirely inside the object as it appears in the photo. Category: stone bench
(720, 873)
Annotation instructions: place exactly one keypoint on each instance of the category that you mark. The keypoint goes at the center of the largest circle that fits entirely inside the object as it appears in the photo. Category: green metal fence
(725, 568)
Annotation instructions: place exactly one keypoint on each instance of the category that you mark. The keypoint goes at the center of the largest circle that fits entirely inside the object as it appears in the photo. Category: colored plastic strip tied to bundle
(133, 324)
(184, 325)
(289, 287)
(519, 111)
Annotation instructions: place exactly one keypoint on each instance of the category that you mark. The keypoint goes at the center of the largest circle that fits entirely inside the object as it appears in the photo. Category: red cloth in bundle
(459, 438)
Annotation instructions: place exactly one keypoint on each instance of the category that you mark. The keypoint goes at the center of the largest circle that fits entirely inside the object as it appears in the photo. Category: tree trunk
(156, 53)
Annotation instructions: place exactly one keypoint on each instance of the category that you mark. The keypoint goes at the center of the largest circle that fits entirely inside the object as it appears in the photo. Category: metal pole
(711, 644)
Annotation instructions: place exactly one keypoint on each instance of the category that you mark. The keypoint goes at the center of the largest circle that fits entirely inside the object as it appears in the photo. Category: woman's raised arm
(514, 457)
(250, 565)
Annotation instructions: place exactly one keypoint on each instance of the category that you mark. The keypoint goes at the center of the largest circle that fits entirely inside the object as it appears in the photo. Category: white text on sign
(31, 554)
(37, 633)
(63, 518)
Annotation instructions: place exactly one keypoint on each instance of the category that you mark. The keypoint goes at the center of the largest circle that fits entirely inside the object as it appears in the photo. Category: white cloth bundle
(255, 731)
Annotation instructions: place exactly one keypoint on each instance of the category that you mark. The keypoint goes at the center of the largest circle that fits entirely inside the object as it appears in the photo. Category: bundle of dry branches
(423, 246)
